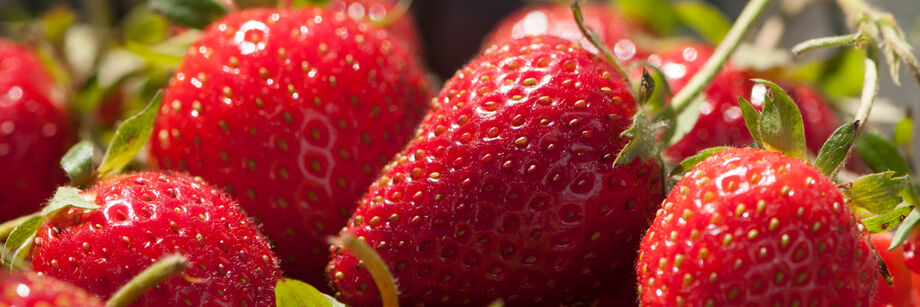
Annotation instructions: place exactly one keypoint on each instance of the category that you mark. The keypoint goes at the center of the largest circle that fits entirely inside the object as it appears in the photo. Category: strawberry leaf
(292, 293)
(835, 150)
(889, 220)
(129, 139)
(643, 144)
(751, 119)
(704, 19)
(659, 14)
(781, 127)
(877, 193)
(881, 154)
(78, 163)
(904, 132)
(20, 240)
(691, 162)
(192, 13)
(67, 197)
(256, 3)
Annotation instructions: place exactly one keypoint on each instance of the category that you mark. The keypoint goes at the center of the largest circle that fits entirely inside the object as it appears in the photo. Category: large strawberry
(509, 189)
(34, 131)
(145, 217)
(27, 289)
(556, 19)
(293, 112)
(901, 291)
(749, 227)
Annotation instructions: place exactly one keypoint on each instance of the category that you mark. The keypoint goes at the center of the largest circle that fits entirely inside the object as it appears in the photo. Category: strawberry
(556, 19)
(508, 189)
(34, 131)
(27, 289)
(144, 217)
(900, 293)
(749, 227)
(403, 27)
(293, 112)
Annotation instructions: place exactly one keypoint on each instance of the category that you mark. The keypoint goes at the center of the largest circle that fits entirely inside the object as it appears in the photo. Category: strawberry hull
(508, 189)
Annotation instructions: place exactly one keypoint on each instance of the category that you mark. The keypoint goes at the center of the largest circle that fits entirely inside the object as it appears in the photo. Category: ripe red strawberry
(900, 293)
(749, 227)
(145, 217)
(34, 131)
(556, 19)
(679, 63)
(27, 289)
(377, 11)
(509, 190)
(293, 112)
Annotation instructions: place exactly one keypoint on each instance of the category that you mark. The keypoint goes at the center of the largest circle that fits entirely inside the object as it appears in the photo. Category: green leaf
(751, 119)
(838, 77)
(78, 163)
(143, 26)
(643, 144)
(197, 14)
(878, 193)
(781, 127)
(56, 21)
(905, 228)
(294, 293)
(154, 57)
(887, 221)
(244, 4)
(683, 123)
(836, 148)
(658, 14)
(302, 3)
(704, 19)
(691, 162)
(881, 154)
(129, 139)
(904, 132)
(20, 240)
(67, 197)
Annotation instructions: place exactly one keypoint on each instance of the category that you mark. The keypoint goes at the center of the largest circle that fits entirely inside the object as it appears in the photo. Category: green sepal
(196, 14)
(129, 139)
(643, 143)
(781, 126)
(293, 293)
(67, 197)
(78, 163)
(751, 119)
(904, 229)
(835, 150)
(878, 193)
(691, 162)
(884, 222)
(704, 19)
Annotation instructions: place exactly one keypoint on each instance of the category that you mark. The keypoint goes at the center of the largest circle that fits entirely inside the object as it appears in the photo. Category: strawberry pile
(298, 153)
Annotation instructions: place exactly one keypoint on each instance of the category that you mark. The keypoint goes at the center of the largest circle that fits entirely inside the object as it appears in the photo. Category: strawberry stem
(701, 79)
(149, 278)
(825, 42)
(869, 91)
(596, 41)
(375, 265)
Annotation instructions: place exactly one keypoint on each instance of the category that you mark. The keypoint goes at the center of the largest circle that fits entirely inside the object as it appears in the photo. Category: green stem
(149, 278)
(701, 79)
(596, 41)
(825, 42)
(7, 227)
(869, 91)
(375, 265)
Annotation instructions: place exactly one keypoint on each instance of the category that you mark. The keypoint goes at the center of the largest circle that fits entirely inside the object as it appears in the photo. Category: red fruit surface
(375, 11)
(509, 190)
(34, 131)
(145, 217)
(27, 289)
(748, 227)
(294, 112)
(901, 292)
(679, 63)
(556, 19)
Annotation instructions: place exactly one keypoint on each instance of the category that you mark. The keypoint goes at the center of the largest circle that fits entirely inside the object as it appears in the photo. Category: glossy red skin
(703, 210)
(403, 28)
(34, 132)
(301, 161)
(148, 216)
(27, 289)
(679, 63)
(901, 292)
(556, 19)
(515, 199)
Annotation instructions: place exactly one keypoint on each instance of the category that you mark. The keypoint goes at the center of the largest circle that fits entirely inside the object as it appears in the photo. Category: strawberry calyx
(151, 276)
(292, 292)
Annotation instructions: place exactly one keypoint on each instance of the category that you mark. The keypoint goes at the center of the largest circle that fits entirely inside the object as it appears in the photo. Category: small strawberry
(27, 289)
(749, 227)
(900, 293)
(556, 19)
(294, 112)
(508, 189)
(144, 217)
(34, 131)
